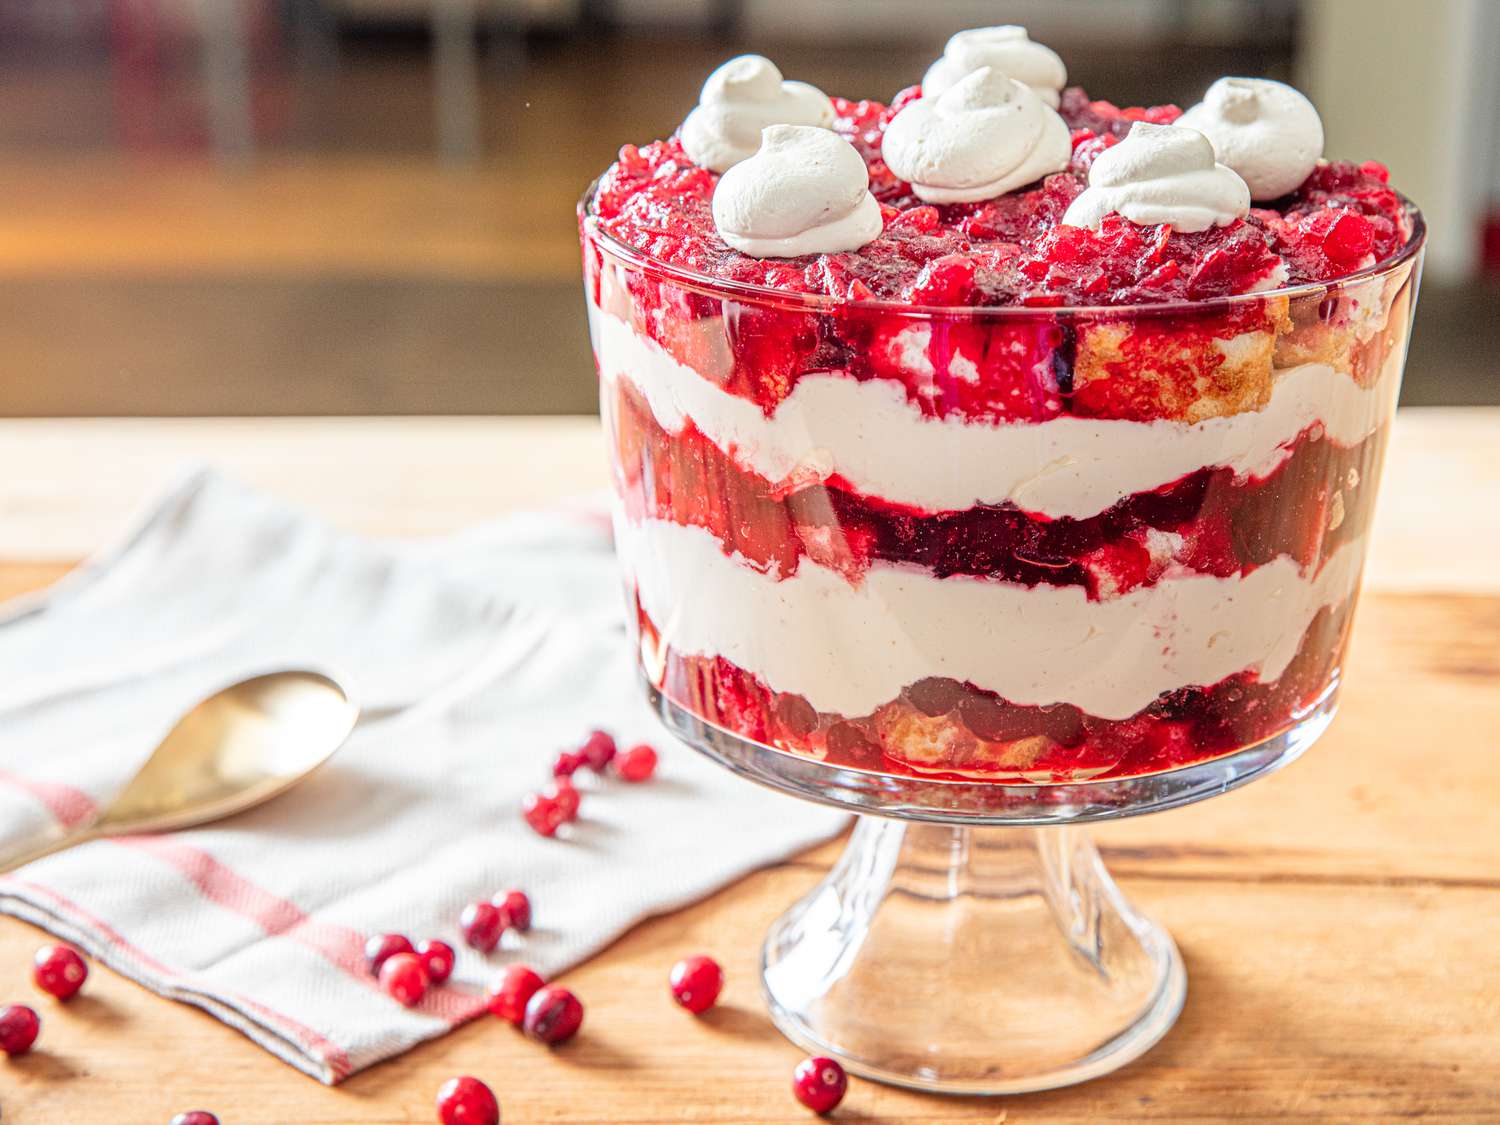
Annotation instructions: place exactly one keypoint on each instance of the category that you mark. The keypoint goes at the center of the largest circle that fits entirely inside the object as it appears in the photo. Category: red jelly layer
(944, 728)
(1011, 250)
(1311, 504)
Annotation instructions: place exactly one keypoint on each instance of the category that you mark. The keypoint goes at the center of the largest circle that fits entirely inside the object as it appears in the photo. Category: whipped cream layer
(849, 649)
(871, 434)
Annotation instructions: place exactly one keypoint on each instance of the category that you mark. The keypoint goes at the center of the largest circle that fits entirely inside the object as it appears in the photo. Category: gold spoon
(239, 747)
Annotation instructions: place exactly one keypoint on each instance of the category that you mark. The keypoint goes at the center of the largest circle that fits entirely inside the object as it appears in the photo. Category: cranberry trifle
(995, 433)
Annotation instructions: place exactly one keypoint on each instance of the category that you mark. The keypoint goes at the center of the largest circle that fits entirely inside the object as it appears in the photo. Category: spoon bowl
(239, 747)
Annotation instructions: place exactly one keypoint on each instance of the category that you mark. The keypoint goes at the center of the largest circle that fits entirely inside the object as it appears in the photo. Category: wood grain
(1338, 921)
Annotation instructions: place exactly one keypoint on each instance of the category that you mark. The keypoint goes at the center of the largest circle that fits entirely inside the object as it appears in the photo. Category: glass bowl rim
(822, 303)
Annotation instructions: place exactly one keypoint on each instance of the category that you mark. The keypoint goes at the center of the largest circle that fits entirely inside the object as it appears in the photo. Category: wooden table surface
(1340, 920)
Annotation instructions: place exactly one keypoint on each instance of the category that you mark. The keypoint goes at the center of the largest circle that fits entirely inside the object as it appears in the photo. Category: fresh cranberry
(636, 764)
(404, 978)
(567, 799)
(567, 764)
(543, 813)
(696, 983)
(553, 1015)
(383, 946)
(18, 1028)
(516, 908)
(467, 1101)
(437, 958)
(59, 970)
(598, 750)
(511, 990)
(195, 1117)
(819, 1084)
(482, 924)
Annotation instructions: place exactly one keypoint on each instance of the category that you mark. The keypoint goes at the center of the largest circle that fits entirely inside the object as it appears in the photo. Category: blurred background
(367, 206)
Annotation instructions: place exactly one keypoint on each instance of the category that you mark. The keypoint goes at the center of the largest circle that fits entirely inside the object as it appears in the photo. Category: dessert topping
(1161, 174)
(740, 99)
(1266, 131)
(986, 135)
(1008, 50)
(805, 192)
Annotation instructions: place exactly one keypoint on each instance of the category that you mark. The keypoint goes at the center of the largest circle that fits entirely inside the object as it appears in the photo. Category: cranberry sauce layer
(1013, 250)
(1209, 521)
(945, 728)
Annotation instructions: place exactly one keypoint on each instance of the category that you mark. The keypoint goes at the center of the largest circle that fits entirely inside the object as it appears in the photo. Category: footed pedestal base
(971, 961)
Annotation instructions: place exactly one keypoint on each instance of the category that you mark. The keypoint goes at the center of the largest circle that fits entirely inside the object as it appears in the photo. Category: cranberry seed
(543, 813)
(567, 799)
(598, 750)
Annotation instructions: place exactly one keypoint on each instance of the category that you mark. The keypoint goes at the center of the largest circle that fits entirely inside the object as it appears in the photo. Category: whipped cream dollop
(1161, 174)
(1266, 131)
(984, 136)
(805, 191)
(740, 99)
(1009, 50)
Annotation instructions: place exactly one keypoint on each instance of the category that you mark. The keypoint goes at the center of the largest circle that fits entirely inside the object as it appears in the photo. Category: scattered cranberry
(404, 978)
(636, 764)
(512, 990)
(819, 1084)
(482, 924)
(18, 1028)
(598, 750)
(467, 1101)
(382, 946)
(543, 813)
(567, 799)
(567, 764)
(696, 983)
(59, 970)
(516, 908)
(553, 1015)
(437, 958)
(195, 1117)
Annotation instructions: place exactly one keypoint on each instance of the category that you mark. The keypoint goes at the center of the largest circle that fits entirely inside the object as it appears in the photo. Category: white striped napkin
(476, 659)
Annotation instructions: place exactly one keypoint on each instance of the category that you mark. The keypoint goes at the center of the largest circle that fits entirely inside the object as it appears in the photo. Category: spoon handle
(28, 852)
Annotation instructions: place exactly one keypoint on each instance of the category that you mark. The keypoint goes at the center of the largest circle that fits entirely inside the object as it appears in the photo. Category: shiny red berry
(696, 983)
(59, 970)
(636, 764)
(511, 990)
(819, 1084)
(482, 924)
(516, 909)
(404, 978)
(467, 1101)
(543, 813)
(381, 946)
(567, 798)
(598, 750)
(18, 1028)
(437, 958)
(195, 1117)
(553, 1015)
(567, 764)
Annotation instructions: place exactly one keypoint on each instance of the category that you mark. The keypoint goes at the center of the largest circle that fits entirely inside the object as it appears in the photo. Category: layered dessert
(995, 432)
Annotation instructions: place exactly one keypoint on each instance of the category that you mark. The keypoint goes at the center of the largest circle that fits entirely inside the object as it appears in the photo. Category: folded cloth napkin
(476, 659)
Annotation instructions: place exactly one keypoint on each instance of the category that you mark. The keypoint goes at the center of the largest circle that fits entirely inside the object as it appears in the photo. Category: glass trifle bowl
(983, 574)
